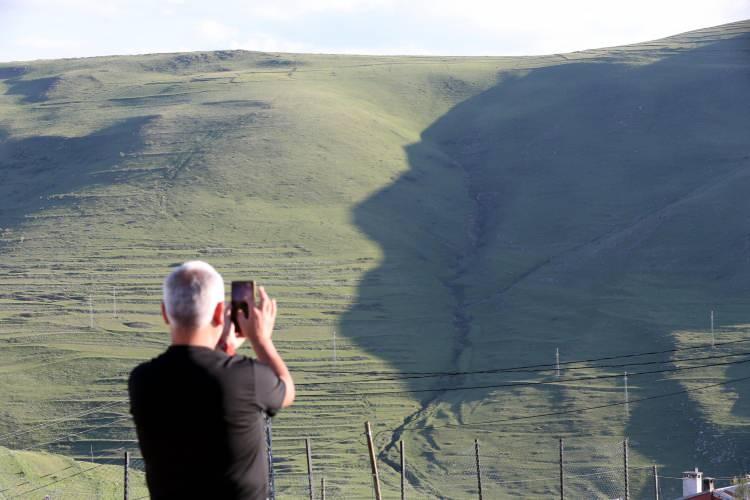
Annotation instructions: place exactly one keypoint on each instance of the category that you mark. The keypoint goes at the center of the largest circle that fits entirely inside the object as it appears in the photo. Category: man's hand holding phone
(230, 339)
(258, 325)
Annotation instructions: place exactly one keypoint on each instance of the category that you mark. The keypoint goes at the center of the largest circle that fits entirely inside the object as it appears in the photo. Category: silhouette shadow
(45, 171)
(591, 206)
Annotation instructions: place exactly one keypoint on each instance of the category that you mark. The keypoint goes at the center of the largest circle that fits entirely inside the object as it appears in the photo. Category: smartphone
(240, 290)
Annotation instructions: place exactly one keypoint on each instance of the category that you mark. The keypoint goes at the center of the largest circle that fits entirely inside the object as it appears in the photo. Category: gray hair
(191, 292)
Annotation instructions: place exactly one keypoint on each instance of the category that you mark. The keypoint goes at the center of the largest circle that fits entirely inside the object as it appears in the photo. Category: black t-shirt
(199, 415)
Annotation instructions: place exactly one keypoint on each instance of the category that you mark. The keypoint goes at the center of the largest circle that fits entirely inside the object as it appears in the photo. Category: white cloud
(45, 43)
(290, 9)
(102, 8)
(215, 31)
(268, 43)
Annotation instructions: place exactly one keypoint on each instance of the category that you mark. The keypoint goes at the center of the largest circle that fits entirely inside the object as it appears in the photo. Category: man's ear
(164, 313)
(218, 317)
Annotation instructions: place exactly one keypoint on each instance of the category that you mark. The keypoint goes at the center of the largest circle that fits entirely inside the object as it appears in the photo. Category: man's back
(199, 418)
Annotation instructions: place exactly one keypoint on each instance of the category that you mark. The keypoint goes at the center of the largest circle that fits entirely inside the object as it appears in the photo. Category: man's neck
(200, 337)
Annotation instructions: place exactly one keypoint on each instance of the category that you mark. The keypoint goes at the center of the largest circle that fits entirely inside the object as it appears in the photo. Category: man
(199, 409)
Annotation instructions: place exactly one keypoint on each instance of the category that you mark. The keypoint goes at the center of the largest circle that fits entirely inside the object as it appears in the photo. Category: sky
(50, 29)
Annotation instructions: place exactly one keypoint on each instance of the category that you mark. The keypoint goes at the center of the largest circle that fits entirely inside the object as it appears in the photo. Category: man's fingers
(263, 296)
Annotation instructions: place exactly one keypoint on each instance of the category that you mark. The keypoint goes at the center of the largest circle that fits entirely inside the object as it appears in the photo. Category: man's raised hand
(229, 341)
(258, 327)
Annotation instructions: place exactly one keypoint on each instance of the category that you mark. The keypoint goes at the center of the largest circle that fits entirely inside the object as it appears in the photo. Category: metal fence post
(656, 484)
(562, 473)
(479, 470)
(269, 445)
(126, 478)
(625, 467)
(403, 469)
(322, 488)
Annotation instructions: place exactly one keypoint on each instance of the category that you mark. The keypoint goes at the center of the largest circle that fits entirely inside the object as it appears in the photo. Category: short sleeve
(269, 388)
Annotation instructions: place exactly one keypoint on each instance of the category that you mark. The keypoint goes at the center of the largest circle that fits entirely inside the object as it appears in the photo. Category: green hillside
(430, 214)
(25, 474)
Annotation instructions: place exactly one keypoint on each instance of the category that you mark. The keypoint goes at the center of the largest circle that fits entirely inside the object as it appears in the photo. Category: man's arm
(267, 353)
(259, 328)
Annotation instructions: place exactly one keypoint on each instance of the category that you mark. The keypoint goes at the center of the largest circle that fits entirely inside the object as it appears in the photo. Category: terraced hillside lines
(440, 214)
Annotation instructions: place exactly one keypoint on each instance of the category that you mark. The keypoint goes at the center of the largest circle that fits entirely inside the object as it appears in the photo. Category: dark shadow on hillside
(46, 171)
(11, 72)
(33, 91)
(600, 205)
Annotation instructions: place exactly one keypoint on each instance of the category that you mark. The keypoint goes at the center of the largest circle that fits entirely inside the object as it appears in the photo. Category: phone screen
(240, 290)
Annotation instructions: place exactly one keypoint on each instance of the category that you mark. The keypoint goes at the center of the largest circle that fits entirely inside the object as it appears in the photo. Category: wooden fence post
(373, 462)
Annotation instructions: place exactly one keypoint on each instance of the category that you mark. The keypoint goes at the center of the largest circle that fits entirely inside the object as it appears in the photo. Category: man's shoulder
(247, 368)
(241, 363)
(140, 371)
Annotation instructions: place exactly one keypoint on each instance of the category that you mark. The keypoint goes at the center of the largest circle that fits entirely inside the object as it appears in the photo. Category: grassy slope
(438, 213)
(34, 474)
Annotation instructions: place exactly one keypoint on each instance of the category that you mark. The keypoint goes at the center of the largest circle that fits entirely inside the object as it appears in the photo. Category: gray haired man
(199, 408)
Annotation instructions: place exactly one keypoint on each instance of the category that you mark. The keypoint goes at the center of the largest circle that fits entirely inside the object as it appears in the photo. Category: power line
(548, 366)
(54, 473)
(116, 420)
(517, 384)
(590, 408)
(62, 419)
(58, 481)
(510, 370)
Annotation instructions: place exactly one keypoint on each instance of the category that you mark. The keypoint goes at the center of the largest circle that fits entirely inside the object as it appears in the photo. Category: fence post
(479, 471)
(126, 478)
(562, 474)
(656, 484)
(309, 467)
(322, 488)
(403, 469)
(373, 462)
(269, 445)
(625, 466)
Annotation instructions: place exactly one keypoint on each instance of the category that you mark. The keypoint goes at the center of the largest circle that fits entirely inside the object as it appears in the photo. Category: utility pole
(323, 488)
(562, 473)
(269, 445)
(625, 467)
(713, 337)
(309, 467)
(479, 470)
(627, 399)
(557, 361)
(373, 462)
(656, 484)
(126, 479)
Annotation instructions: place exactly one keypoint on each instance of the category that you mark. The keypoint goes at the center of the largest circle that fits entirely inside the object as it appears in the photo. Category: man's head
(193, 295)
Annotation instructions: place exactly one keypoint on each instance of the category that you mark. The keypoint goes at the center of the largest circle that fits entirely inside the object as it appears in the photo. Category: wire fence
(76, 480)
(571, 471)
